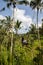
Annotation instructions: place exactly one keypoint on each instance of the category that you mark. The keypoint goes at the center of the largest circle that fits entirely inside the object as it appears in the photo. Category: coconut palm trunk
(37, 23)
(38, 35)
(12, 32)
(12, 36)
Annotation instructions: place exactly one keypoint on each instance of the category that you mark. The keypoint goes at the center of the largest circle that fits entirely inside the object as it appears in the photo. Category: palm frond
(32, 4)
(8, 0)
(17, 24)
(8, 4)
(2, 9)
(23, 2)
(35, 3)
(8, 17)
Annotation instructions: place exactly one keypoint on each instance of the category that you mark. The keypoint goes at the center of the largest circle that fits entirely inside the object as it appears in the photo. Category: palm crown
(36, 4)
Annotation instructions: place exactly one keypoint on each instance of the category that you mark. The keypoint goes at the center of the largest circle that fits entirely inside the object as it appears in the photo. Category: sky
(22, 13)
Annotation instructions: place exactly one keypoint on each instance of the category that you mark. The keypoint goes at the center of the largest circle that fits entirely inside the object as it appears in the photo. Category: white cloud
(2, 17)
(20, 15)
(40, 24)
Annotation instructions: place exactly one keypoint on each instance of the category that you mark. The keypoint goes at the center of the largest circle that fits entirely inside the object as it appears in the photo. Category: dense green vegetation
(21, 55)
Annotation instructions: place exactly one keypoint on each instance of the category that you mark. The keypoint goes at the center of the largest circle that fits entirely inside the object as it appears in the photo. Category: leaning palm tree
(36, 4)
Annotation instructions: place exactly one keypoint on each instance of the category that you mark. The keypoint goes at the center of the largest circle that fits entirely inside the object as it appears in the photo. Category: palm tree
(14, 2)
(8, 23)
(32, 29)
(17, 26)
(9, 3)
(36, 4)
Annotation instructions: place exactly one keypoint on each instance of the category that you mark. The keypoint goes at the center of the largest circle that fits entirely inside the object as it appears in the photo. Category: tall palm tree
(36, 4)
(14, 2)
(9, 3)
